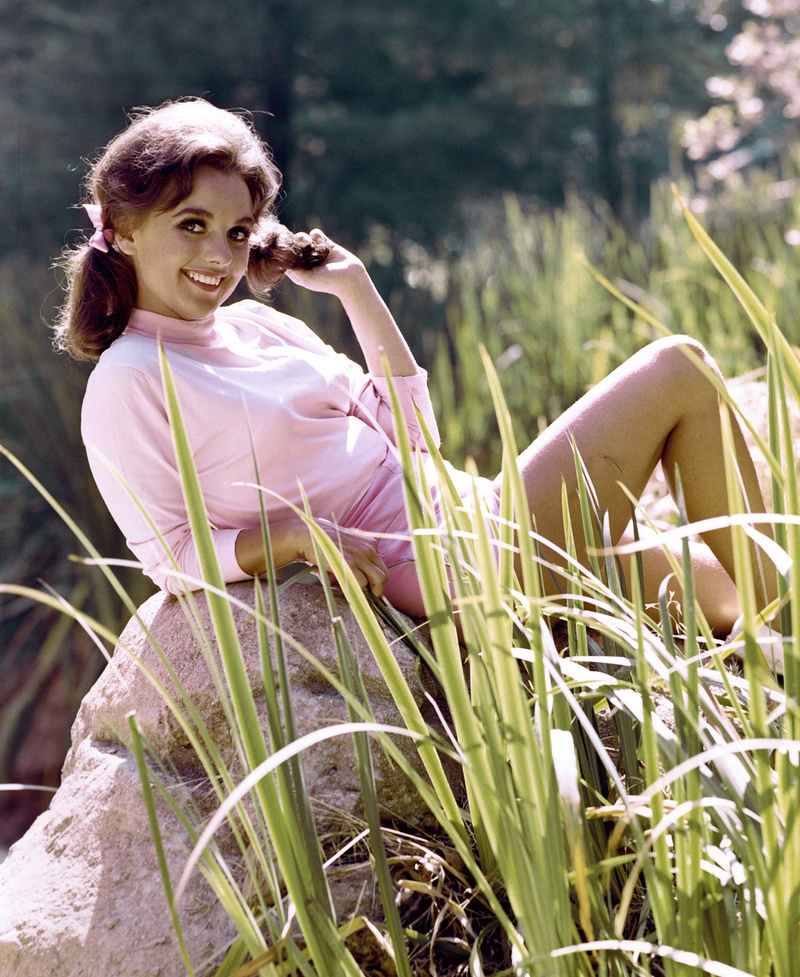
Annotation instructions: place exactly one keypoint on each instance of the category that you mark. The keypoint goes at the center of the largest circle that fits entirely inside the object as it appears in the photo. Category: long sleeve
(131, 455)
(373, 401)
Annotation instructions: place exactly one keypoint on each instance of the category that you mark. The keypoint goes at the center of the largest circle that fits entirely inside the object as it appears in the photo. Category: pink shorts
(381, 512)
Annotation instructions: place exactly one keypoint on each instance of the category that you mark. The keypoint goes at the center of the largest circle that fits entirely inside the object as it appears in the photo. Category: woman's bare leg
(714, 589)
(658, 406)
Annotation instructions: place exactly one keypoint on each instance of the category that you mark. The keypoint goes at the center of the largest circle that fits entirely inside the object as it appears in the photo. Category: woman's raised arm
(344, 275)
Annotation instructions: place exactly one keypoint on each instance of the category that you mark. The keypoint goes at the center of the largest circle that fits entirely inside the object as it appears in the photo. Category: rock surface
(80, 893)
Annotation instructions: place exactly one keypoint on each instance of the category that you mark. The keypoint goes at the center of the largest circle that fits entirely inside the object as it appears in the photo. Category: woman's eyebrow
(202, 212)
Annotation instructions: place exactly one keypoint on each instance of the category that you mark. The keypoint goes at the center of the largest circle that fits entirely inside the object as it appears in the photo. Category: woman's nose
(218, 249)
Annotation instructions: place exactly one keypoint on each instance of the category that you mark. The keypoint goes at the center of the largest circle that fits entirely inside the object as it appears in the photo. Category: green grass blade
(155, 833)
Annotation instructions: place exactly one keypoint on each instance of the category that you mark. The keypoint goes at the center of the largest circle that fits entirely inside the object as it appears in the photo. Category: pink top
(248, 379)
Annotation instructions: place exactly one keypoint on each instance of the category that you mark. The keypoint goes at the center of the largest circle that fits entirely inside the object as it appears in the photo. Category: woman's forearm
(287, 545)
(385, 348)
(295, 545)
(344, 275)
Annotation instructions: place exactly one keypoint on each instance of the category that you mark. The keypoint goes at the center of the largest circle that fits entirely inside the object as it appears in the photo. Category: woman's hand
(295, 545)
(340, 275)
(359, 552)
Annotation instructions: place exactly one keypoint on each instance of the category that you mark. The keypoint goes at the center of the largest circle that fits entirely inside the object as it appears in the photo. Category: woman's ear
(125, 243)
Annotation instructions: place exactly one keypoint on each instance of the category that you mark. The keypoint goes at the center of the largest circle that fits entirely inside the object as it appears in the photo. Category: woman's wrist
(354, 286)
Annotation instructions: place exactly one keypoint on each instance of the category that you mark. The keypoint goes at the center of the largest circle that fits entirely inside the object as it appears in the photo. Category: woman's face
(189, 259)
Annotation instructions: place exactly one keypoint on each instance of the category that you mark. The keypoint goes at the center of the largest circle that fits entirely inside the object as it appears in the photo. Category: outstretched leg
(658, 406)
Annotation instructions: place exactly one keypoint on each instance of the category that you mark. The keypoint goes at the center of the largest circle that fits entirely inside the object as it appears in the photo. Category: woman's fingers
(369, 576)
(319, 237)
(361, 555)
(369, 569)
(375, 575)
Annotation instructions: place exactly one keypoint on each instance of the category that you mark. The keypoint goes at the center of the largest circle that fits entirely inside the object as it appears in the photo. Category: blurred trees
(756, 113)
(389, 113)
(441, 102)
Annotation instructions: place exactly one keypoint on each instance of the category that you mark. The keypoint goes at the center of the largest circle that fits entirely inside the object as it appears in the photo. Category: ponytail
(274, 250)
(101, 294)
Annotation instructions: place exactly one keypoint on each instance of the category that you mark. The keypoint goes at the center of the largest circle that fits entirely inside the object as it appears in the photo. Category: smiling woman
(185, 200)
(189, 259)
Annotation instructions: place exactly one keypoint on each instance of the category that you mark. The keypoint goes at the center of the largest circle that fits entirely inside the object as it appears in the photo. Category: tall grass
(604, 834)
(551, 330)
(672, 848)
(668, 844)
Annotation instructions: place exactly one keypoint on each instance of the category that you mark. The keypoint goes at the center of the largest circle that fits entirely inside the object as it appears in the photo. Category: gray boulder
(80, 893)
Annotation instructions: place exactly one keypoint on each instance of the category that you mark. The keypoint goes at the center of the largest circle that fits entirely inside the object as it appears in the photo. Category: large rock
(80, 893)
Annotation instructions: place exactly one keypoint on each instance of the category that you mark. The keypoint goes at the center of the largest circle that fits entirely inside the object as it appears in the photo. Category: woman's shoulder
(137, 352)
(129, 364)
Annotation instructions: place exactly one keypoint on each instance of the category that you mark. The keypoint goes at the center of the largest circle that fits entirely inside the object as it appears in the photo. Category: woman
(182, 203)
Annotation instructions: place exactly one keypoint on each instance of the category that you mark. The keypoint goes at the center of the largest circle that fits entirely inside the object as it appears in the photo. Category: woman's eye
(193, 226)
(240, 234)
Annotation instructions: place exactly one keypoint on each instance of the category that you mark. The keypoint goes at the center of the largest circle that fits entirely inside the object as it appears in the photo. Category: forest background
(405, 128)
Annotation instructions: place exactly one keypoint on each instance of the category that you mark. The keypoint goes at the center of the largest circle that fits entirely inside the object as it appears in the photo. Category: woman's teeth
(204, 279)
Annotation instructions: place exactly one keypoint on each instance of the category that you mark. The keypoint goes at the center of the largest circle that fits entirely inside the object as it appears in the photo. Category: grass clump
(631, 802)
(601, 834)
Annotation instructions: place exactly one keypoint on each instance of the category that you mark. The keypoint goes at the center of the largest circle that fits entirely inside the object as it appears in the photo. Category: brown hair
(149, 166)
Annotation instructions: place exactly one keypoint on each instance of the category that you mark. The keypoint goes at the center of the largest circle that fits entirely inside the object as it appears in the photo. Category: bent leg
(714, 589)
(658, 406)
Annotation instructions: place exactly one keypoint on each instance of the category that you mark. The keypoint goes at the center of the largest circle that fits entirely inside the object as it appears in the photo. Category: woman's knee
(686, 365)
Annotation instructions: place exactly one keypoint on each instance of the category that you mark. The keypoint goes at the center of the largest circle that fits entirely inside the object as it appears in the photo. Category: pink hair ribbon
(103, 236)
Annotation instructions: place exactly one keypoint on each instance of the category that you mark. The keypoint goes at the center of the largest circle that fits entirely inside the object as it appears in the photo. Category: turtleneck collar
(195, 332)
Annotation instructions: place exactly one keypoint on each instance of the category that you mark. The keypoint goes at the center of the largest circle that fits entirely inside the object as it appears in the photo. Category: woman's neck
(194, 332)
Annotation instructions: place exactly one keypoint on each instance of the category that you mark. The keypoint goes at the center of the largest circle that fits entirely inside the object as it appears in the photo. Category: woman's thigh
(621, 430)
